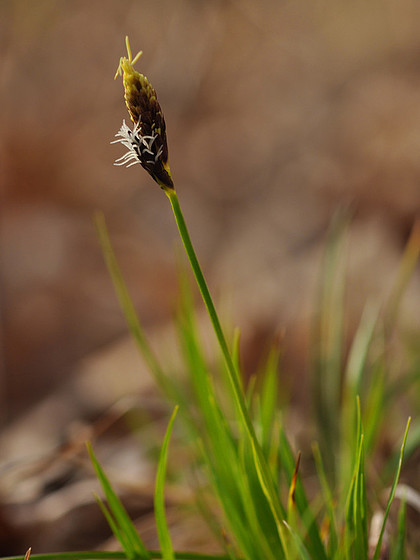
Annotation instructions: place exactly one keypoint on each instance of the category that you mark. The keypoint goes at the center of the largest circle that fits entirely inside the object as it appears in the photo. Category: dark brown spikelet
(147, 142)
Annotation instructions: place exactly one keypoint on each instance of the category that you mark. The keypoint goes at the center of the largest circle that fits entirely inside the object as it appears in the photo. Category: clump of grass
(242, 440)
(238, 433)
(333, 525)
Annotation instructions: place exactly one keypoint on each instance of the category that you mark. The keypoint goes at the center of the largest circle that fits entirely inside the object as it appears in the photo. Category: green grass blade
(356, 533)
(119, 535)
(161, 523)
(329, 502)
(398, 551)
(258, 509)
(288, 462)
(126, 532)
(377, 553)
(128, 309)
(362, 341)
(327, 346)
(354, 375)
(298, 544)
(231, 372)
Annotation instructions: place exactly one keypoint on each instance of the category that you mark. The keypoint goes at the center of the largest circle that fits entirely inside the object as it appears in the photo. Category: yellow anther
(130, 59)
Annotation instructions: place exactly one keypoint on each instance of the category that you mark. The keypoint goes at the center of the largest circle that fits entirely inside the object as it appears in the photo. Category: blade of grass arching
(377, 553)
(129, 311)
(159, 501)
(118, 533)
(119, 514)
(376, 405)
(412, 445)
(230, 370)
(413, 442)
(329, 502)
(356, 366)
(362, 342)
(287, 462)
(399, 549)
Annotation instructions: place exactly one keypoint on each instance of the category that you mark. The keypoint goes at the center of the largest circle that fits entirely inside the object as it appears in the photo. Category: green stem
(266, 480)
(192, 257)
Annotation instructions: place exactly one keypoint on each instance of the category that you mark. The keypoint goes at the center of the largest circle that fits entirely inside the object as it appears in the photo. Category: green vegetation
(238, 436)
(251, 488)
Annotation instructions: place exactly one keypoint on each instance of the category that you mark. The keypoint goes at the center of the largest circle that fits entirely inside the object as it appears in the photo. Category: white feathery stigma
(137, 146)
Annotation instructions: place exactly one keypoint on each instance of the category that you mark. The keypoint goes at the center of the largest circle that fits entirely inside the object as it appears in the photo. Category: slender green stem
(266, 480)
(203, 287)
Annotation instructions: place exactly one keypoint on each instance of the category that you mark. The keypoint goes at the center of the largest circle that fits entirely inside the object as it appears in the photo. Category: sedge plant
(238, 432)
(251, 465)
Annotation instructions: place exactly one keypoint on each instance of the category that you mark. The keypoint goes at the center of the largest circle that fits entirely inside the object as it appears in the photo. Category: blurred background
(279, 114)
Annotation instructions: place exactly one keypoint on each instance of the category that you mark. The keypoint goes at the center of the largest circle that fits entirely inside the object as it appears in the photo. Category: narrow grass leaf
(377, 553)
(128, 308)
(356, 533)
(376, 406)
(360, 348)
(329, 502)
(161, 523)
(121, 520)
(258, 509)
(302, 551)
(287, 461)
(327, 345)
(398, 551)
(119, 535)
(291, 504)
(230, 370)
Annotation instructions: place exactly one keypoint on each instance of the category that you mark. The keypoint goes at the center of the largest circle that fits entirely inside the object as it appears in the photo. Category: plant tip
(146, 142)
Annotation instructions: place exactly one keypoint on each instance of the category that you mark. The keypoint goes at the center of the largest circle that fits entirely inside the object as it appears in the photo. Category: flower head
(146, 143)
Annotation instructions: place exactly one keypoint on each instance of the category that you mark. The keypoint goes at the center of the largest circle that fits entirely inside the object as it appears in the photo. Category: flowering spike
(146, 143)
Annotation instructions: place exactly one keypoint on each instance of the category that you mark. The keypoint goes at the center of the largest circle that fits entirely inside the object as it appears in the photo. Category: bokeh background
(279, 115)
